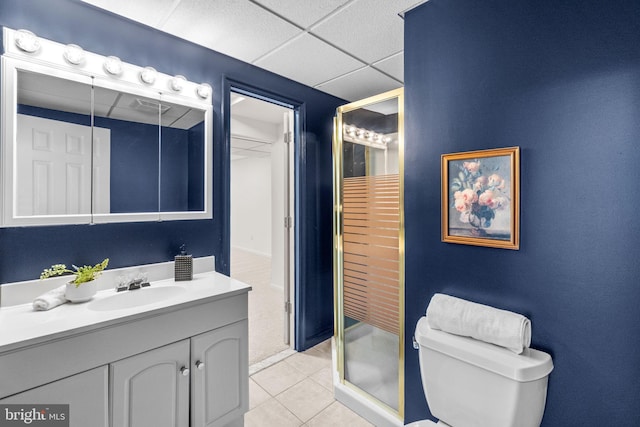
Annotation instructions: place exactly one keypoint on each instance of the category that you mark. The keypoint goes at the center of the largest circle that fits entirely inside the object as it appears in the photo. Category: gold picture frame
(481, 198)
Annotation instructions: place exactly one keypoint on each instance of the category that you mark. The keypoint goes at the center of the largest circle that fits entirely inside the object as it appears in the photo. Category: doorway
(261, 222)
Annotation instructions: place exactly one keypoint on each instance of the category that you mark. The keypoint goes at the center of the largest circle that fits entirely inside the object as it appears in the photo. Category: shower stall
(369, 257)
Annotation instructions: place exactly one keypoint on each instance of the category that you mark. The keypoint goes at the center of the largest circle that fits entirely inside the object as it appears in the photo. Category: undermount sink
(135, 298)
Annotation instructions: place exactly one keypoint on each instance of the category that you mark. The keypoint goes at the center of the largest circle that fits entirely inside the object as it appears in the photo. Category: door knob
(184, 371)
(200, 365)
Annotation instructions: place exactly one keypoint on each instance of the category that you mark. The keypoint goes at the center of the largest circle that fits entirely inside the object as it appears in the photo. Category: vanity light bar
(366, 137)
(25, 45)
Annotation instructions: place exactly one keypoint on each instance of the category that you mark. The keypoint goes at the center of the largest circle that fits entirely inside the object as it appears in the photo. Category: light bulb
(204, 91)
(148, 75)
(74, 54)
(113, 65)
(27, 41)
(177, 82)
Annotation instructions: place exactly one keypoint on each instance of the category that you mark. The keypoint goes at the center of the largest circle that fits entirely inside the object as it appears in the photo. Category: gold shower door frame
(338, 251)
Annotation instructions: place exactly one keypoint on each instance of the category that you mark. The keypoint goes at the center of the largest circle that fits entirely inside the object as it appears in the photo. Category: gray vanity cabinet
(219, 392)
(182, 366)
(86, 394)
(152, 389)
(207, 375)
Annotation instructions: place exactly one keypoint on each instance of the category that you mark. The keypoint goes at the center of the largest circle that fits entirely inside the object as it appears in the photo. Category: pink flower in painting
(486, 198)
(472, 167)
(496, 181)
(461, 205)
(464, 199)
(492, 199)
(468, 196)
(480, 183)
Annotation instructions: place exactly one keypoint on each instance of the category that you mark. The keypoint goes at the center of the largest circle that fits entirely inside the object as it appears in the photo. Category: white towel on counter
(51, 299)
(482, 322)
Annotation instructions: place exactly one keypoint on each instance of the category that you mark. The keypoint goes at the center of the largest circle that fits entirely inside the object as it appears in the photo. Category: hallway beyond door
(265, 304)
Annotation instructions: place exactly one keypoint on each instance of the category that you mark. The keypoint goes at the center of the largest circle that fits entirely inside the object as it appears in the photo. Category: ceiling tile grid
(360, 84)
(303, 12)
(308, 60)
(348, 48)
(236, 28)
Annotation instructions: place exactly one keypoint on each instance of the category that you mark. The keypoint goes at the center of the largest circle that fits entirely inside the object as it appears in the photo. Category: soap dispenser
(183, 265)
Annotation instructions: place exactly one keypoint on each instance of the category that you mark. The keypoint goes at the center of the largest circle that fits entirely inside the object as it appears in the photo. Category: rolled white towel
(482, 322)
(51, 299)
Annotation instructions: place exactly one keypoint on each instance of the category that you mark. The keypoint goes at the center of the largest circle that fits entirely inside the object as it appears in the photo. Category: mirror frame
(49, 59)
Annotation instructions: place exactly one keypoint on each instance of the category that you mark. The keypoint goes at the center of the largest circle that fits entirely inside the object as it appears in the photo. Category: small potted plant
(83, 287)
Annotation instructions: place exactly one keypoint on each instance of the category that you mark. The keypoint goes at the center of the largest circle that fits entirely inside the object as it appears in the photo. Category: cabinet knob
(200, 365)
(184, 371)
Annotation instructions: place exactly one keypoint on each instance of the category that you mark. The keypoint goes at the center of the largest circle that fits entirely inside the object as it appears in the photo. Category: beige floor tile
(324, 348)
(270, 414)
(277, 378)
(308, 362)
(324, 377)
(337, 415)
(306, 399)
(257, 394)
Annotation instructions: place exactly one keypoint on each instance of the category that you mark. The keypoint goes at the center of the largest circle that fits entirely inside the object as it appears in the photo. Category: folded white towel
(51, 299)
(484, 323)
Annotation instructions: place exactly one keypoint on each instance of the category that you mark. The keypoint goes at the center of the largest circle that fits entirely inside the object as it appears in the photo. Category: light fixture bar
(27, 46)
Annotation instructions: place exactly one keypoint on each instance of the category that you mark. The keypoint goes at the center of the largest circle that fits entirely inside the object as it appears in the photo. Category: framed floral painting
(480, 198)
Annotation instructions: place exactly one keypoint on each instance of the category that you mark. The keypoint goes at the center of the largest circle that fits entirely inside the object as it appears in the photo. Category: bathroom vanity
(172, 354)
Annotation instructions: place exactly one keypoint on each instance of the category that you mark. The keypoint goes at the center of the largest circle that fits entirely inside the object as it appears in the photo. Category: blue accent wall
(25, 251)
(560, 79)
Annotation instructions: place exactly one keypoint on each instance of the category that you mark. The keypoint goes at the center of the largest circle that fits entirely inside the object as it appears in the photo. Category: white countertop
(21, 325)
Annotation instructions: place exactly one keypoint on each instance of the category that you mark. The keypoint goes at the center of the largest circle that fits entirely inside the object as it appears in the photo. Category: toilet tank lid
(529, 366)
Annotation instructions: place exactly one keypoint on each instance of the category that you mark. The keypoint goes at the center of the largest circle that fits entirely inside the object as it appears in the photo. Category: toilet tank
(470, 383)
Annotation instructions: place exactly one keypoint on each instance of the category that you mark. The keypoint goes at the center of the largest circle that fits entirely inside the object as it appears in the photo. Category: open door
(288, 225)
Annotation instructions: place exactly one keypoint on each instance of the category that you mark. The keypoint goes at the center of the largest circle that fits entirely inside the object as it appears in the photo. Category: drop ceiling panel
(394, 66)
(360, 84)
(237, 28)
(370, 30)
(149, 12)
(309, 60)
(278, 35)
(303, 12)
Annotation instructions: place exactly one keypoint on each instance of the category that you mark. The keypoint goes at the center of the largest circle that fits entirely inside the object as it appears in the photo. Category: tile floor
(298, 391)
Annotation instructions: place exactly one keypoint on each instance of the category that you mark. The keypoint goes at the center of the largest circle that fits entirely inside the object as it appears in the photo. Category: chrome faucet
(129, 283)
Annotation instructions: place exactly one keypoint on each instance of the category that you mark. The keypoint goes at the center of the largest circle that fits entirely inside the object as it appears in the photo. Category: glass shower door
(369, 247)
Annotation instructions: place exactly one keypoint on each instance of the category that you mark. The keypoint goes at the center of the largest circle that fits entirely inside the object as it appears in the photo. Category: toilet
(470, 383)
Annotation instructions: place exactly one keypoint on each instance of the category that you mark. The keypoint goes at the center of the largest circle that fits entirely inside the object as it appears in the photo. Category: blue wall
(25, 251)
(560, 79)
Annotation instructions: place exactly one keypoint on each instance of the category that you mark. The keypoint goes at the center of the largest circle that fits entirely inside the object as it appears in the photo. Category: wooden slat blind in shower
(371, 222)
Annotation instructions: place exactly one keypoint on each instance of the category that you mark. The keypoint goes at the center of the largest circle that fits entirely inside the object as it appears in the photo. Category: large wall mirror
(82, 145)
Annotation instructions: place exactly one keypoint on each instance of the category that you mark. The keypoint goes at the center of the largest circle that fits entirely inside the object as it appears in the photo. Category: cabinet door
(85, 393)
(152, 389)
(220, 379)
